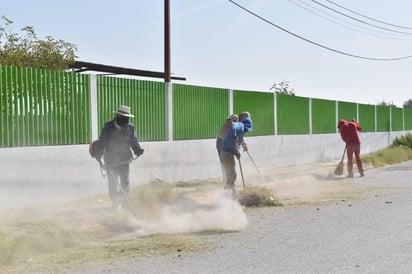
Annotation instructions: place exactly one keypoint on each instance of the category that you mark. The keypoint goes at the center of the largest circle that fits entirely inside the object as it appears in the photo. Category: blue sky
(215, 43)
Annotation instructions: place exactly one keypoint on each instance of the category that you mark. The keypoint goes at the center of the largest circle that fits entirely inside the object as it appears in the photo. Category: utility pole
(167, 41)
(168, 84)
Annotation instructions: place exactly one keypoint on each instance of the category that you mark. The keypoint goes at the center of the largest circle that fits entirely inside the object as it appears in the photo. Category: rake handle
(241, 173)
(343, 156)
(253, 161)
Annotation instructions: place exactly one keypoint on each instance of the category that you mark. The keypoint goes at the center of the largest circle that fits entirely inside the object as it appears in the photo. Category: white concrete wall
(33, 173)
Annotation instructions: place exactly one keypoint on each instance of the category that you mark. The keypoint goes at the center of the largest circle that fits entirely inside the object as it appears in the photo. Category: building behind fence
(44, 107)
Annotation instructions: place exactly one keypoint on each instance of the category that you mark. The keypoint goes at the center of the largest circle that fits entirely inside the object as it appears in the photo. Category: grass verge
(389, 156)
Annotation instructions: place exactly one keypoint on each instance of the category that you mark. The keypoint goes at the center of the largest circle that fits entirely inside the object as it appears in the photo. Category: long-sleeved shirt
(349, 132)
(116, 142)
(235, 134)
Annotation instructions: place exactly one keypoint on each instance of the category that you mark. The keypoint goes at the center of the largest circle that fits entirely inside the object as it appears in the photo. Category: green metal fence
(347, 111)
(198, 112)
(292, 114)
(323, 116)
(261, 105)
(367, 117)
(43, 107)
(397, 119)
(383, 118)
(147, 100)
(407, 112)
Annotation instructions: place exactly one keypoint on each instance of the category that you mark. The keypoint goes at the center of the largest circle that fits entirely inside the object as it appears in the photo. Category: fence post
(230, 102)
(310, 116)
(337, 114)
(275, 112)
(93, 106)
(376, 119)
(169, 110)
(403, 119)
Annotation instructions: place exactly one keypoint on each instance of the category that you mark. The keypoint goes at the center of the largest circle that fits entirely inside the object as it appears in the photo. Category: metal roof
(80, 66)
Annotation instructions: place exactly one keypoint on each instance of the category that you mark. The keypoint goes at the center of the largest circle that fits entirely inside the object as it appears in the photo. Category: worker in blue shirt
(231, 144)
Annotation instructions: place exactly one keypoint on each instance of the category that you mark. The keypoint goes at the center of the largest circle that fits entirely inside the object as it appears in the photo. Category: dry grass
(77, 234)
(52, 249)
(257, 196)
(73, 235)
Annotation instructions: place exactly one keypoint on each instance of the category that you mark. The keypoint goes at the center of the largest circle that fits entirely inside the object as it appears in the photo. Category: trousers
(118, 184)
(228, 163)
(354, 149)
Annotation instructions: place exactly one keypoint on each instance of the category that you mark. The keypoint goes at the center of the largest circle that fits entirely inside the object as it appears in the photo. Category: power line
(314, 43)
(314, 10)
(356, 19)
(367, 17)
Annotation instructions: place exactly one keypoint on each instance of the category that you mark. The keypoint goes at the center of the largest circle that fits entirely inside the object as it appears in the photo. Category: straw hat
(124, 111)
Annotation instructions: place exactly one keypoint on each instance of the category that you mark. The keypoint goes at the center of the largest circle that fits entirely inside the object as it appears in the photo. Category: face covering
(122, 120)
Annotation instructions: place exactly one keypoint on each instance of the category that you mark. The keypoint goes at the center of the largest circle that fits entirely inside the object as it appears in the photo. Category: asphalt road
(368, 235)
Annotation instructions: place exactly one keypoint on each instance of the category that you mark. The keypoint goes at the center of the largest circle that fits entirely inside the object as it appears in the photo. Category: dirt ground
(307, 184)
(173, 217)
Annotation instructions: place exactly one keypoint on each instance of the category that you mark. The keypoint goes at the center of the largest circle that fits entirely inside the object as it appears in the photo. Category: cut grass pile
(255, 196)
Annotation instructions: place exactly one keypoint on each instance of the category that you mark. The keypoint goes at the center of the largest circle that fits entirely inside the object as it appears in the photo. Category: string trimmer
(104, 167)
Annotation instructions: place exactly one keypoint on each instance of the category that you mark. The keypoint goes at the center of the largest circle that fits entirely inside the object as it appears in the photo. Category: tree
(386, 104)
(27, 50)
(407, 104)
(283, 88)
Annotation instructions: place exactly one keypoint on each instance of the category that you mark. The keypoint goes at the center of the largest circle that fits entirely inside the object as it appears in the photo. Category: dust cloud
(222, 213)
(173, 215)
(212, 210)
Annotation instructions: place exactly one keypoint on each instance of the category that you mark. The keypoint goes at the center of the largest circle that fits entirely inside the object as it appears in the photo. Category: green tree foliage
(386, 104)
(283, 88)
(27, 50)
(407, 104)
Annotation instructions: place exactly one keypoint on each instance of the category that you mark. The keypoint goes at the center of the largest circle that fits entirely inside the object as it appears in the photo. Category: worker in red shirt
(349, 132)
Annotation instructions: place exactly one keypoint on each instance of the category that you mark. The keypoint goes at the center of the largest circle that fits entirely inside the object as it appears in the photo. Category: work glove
(244, 145)
(237, 154)
(140, 152)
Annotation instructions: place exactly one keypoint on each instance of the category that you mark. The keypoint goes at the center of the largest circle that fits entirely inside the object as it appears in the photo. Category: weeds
(405, 140)
(398, 152)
